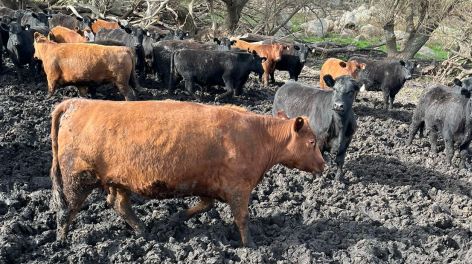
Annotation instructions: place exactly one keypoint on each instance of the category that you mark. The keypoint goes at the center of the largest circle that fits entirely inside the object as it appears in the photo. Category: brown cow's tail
(58, 200)
(133, 81)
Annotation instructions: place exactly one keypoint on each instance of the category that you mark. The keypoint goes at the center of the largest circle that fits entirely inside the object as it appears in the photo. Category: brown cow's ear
(342, 64)
(298, 125)
(51, 36)
(282, 114)
(362, 66)
(37, 36)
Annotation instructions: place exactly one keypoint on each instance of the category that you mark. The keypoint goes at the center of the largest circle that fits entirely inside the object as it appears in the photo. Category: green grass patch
(342, 40)
(439, 53)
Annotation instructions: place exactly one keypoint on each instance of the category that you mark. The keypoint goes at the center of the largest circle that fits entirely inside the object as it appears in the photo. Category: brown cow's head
(353, 67)
(277, 51)
(39, 49)
(303, 151)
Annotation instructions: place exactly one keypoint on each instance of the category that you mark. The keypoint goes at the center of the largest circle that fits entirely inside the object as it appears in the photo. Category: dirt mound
(401, 205)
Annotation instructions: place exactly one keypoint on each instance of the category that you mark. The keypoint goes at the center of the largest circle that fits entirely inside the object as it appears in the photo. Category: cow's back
(443, 108)
(101, 62)
(296, 99)
(148, 146)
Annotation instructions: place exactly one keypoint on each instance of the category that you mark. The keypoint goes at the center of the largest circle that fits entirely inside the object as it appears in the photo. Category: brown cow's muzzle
(319, 168)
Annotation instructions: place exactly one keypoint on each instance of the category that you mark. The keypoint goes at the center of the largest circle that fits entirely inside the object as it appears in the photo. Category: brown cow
(273, 53)
(81, 64)
(61, 34)
(336, 67)
(100, 23)
(168, 149)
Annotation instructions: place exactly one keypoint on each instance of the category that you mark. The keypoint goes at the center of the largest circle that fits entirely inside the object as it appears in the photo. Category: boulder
(346, 32)
(369, 31)
(355, 19)
(317, 27)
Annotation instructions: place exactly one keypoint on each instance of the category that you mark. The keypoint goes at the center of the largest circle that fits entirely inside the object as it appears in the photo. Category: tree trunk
(390, 38)
(415, 42)
(234, 9)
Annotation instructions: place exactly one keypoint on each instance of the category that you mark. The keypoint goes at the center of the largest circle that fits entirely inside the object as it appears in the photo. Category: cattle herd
(166, 149)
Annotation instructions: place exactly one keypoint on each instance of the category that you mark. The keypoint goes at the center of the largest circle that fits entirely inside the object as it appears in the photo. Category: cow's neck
(279, 132)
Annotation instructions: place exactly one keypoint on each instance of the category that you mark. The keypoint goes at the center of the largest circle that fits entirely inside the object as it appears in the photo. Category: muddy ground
(401, 204)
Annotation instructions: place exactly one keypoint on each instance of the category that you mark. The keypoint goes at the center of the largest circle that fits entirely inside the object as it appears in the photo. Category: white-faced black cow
(330, 112)
(442, 109)
(386, 76)
(293, 60)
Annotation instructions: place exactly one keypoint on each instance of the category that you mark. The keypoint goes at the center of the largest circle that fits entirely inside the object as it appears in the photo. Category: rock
(427, 52)
(369, 31)
(360, 38)
(347, 20)
(356, 18)
(317, 27)
(346, 32)
(364, 14)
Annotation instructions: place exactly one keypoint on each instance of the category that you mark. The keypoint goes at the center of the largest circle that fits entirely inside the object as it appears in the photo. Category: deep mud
(401, 204)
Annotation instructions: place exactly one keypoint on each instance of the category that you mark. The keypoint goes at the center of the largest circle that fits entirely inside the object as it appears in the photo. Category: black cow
(330, 112)
(293, 60)
(130, 37)
(34, 19)
(464, 84)
(386, 76)
(442, 110)
(70, 22)
(224, 44)
(20, 45)
(230, 69)
(4, 29)
(162, 54)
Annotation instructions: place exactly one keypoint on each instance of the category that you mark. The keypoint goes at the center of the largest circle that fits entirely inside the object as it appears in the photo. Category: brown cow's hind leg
(203, 206)
(239, 207)
(123, 208)
(76, 189)
(111, 197)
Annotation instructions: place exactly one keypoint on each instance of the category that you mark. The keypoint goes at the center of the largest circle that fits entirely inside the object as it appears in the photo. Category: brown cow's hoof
(249, 244)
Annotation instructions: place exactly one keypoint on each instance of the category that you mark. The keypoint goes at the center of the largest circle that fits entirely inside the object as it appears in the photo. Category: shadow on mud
(397, 113)
(393, 172)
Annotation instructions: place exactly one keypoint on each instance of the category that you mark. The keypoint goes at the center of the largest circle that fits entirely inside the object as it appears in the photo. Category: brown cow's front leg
(123, 208)
(52, 84)
(265, 77)
(239, 208)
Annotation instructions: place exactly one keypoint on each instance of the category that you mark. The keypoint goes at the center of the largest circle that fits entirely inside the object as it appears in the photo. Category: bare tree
(420, 17)
(459, 62)
(234, 9)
